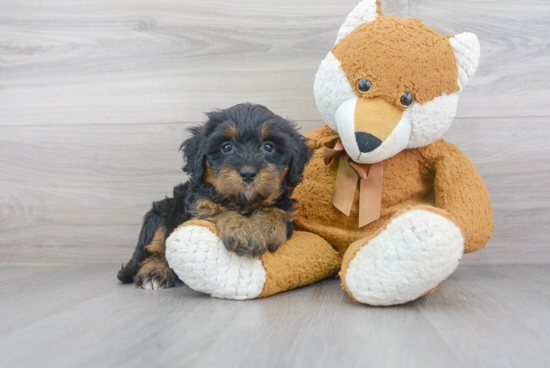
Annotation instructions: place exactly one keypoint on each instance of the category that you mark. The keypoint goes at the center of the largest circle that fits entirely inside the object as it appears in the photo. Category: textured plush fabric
(425, 59)
(376, 116)
(365, 11)
(434, 205)
(196, 254)
(437, 175)
(438, 179)
(467, 51)
(410, 255)
(394, 140)
(331, 89)
(305, 259)
(434, 67)
(430, 121)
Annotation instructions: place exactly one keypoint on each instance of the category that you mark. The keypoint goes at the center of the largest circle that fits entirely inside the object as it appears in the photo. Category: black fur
(203, 150)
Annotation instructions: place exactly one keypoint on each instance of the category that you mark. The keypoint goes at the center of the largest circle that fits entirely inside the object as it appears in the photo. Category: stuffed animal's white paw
(412, 255)
(202, 262)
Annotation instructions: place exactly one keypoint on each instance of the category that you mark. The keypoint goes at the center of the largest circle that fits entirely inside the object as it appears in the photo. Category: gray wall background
(95, 98)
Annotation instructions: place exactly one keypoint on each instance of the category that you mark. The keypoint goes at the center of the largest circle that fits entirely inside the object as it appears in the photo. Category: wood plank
(126, 62)
(513, 159)
(54, 288)
(471, 295)
(494, 316)
(12, 272)
(77, 193)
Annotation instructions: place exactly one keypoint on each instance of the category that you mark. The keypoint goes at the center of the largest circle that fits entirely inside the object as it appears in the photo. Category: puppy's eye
(364, 85)
(268, 147)
(407, 99)
(227, 148)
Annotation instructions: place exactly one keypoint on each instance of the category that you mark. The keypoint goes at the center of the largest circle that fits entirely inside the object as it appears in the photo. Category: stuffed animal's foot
(415, 252)
(200, 259)
(197, 255)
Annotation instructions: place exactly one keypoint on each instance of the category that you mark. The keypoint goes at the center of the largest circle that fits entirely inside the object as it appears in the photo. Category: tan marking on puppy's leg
(273, 222)
(205, 209)
(240, 235)
(154, 272)
(157, 247)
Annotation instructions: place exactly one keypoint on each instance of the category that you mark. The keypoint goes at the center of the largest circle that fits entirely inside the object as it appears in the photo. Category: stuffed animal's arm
(316, 138)
(460, 190)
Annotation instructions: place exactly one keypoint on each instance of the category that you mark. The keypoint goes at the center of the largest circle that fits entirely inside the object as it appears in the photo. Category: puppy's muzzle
(248, 174)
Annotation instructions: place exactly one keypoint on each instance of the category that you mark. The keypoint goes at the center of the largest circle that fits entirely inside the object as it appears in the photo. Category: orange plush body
(437, 178)
(385, 201)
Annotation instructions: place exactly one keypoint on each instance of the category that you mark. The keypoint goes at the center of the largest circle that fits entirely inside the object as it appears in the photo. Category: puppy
(242, 164)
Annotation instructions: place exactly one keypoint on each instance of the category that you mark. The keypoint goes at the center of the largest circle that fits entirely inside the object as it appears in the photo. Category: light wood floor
(80, 316)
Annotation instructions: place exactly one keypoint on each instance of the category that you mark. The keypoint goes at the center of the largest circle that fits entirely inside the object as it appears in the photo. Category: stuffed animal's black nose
(367, 142)
(248, 174)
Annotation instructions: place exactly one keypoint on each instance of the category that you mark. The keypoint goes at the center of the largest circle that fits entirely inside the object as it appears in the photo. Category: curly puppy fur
(242, 165)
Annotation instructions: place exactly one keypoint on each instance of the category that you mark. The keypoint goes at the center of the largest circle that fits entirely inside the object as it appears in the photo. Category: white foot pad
(202, 262)
(412, 255)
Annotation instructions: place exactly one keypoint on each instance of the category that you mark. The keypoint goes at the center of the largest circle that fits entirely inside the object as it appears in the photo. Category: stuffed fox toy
(384, 201)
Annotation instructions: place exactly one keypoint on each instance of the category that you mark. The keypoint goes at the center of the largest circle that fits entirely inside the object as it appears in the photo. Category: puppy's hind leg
(150, 248)
(151, 222)
(154, 272)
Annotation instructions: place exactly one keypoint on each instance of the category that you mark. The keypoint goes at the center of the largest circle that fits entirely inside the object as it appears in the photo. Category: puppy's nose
(367, 142)
(248, 174)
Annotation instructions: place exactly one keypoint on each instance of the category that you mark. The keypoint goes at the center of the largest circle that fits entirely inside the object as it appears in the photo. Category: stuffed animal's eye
(227, 148)
(364, 85)
(407, 100)
(268, 147)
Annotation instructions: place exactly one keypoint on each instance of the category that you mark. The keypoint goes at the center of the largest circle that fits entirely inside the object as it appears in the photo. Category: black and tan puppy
(242, 164)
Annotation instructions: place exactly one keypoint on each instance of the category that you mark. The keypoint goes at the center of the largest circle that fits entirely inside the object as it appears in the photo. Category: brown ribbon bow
(371, 176)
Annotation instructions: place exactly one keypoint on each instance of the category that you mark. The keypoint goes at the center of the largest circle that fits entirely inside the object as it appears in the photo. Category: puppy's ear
(193, 153)
(301, 154)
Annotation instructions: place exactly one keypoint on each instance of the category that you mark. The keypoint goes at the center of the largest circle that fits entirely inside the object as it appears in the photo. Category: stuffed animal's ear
(366, 11)
(193, 153)
(301, 154)
(467, 51)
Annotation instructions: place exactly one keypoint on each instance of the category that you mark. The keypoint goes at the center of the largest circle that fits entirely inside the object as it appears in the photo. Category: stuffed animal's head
(390, 84)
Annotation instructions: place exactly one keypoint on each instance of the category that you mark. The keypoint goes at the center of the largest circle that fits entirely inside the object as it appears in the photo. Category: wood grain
(77, 193)
(95, 98)
(79, 316)
(137, 61)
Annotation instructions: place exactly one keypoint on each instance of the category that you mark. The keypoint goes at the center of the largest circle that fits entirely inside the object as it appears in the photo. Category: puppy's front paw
(244, 238)
(275, 236)
(274, 226)
(155, 275)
